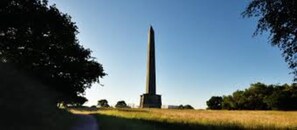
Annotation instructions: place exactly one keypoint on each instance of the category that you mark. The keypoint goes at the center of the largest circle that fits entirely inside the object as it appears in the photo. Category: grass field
(164, 119)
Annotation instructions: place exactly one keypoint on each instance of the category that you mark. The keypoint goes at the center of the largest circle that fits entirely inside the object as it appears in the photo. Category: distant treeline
(258, 96)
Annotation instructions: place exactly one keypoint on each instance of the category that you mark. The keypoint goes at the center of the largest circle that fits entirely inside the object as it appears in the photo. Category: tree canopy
(279, 18)
(121, 104)
(258, 96)
(185, 107)
(103, 103)
(215, 102)
(41, 41)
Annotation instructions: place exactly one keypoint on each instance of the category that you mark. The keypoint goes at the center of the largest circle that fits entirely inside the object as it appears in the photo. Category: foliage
(228, 103)
(40, 41)
(103, 103)
(283, 98)
(279, 18)
(77, 101)
(188, 107)
(185, 107)
(121, 104)
(260, 97)
(215, 102)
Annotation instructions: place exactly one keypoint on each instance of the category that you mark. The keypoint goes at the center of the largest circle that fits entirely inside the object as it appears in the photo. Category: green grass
(164, 119)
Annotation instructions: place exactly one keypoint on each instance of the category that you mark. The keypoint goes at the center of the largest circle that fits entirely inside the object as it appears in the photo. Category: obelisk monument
(150, 99)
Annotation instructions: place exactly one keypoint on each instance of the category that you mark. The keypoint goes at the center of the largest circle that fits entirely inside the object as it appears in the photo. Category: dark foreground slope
(27, 105)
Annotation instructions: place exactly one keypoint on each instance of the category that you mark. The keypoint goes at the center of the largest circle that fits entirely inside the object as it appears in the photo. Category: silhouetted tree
(279, 18)
(103, 103)
(77, 101)
(188, 107)
(215, 102)
(185, 107)
(121, 104)
(41, 41)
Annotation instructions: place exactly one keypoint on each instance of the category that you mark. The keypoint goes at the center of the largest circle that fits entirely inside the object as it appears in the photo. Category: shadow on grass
(133, 110)
(118, 123)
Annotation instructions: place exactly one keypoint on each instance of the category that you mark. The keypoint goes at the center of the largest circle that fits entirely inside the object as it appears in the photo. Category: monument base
(150, 101)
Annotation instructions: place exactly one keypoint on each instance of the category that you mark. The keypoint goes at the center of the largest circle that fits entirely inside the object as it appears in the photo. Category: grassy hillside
(162, 119)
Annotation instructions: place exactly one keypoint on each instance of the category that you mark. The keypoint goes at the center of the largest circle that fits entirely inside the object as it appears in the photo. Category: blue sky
(203, 48)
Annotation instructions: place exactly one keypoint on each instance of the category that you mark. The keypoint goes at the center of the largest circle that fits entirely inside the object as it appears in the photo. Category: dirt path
(86, 122)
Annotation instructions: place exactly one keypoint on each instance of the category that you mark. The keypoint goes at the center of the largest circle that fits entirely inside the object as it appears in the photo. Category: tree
(77, 101)
(185, 107)
(283, 98)
(180, 106)
(279, 18)
(188, 107)
(259, 96)
(121, 104)
(103, 103)
(228, 103)
(239, 100)
(252, 98)
(40, 41)
(255, 96)
(215, 102)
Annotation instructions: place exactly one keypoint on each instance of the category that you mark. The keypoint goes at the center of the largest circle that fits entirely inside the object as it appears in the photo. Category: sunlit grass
(241, 119)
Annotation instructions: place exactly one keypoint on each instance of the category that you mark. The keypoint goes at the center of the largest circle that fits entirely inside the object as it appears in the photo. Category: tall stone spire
(150, 99)
(151, 64)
